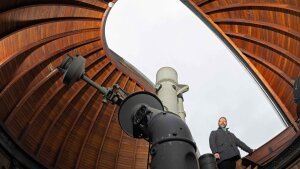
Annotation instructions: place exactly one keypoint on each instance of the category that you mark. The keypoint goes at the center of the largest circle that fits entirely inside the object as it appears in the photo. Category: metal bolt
(153, 151)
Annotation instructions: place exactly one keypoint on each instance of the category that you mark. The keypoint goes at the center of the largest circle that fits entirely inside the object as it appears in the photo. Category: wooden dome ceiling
(62, 127)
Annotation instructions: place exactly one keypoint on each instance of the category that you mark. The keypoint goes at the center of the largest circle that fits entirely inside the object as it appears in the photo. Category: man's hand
(217, 156)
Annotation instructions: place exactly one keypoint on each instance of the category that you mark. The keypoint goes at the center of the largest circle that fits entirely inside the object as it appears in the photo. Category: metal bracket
(140, 122)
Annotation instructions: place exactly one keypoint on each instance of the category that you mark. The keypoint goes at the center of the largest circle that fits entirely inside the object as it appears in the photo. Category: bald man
(224, 145)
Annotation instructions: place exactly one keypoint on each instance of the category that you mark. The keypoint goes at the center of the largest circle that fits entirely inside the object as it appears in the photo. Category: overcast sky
(151, 34)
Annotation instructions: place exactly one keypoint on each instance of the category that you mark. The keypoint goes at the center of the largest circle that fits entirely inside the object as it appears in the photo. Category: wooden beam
(269, 45)
(204, 2)
(255, 5)
(270, 26)
(271, 67)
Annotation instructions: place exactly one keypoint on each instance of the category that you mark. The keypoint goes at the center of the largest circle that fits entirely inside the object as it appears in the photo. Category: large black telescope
(141, 115)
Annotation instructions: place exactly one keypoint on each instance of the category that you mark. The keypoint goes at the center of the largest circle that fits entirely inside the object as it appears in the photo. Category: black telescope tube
(172, 143)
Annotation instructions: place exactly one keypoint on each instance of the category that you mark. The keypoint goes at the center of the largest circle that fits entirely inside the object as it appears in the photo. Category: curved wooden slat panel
(256, 5)
(43, 64)
(36, 114)
(272, 53)
(271, 67)
(42, 133)
(69, 140)
(126, 147)
(267, 25)
(57, 12)
(203, 2)
(111, 118)
(91, 124)
(88, 4)
(266, 44)
(75, 95)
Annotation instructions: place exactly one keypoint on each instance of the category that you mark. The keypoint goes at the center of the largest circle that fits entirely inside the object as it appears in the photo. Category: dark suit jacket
(226, 144)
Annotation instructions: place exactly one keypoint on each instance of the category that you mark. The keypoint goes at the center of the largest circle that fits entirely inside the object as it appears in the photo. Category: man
(224, 145)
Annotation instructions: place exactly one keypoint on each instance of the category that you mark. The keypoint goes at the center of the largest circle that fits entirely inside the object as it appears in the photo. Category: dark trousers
(229, 163)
